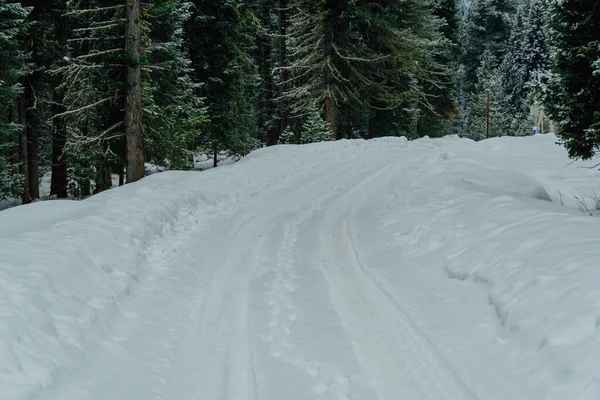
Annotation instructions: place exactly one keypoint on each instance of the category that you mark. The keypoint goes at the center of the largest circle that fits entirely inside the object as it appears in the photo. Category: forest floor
(426, 270)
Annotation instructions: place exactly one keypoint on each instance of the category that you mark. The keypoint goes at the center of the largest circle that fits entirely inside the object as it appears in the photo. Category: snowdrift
(491, 246)
(66, 266)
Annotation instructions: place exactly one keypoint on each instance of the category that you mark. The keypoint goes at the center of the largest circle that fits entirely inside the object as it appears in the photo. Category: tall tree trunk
(86, 189)
(371, 129)
(32, 128)
(487, 116)
(103, 178)
(121, 163)
(331, 108)
(59, 180)
(133, 95)
(269, 85)
(84, 183)
(282, 22)
(25, 196)
(215, 156)
(32, 84)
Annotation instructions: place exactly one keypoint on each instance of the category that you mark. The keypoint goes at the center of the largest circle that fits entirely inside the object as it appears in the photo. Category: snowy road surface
(383, 270)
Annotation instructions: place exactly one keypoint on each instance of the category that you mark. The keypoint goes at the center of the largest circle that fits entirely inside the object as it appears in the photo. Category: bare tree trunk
(121, 164)
(331, 113)
(416, 127)
(59, 180)
(103, 178)
(32, 128)
(331, 108)
(85, 184)
(25, 196)
(371, 128)
(215, 157)
(86, 189)
(133, 95)
(282, 22)
(272, 128)
(487, 116)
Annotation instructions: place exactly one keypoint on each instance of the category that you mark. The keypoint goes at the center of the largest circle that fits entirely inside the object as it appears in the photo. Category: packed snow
(382, 269)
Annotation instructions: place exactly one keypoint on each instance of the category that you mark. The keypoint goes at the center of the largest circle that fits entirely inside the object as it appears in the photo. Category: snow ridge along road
(339, 271)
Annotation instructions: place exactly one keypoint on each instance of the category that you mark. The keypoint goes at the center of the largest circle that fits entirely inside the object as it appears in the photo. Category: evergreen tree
(45, 40)
(435, 119)
(115, 89)
(175, 114)
(94, 91)
(221, 38)
(412, 67)
(362, 60)
(487, 26)
(488, 89)
(13, 66)
(288, 136)
(573, 97)
(269, 120)
(58, 157)
(514, 73)
(315, 129)
(133, 91)
(320, 46)
(486, 30)
(525, 64)
(281, 75)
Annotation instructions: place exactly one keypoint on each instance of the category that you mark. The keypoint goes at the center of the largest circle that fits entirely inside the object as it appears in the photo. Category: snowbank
(66, 266)
(489, 247)
(501, 219)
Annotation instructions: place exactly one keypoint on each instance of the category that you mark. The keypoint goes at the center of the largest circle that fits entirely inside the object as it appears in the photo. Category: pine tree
(128, 73)
(362, 60)
(269, 120)
(514, 73)
(488, 87)
(320, 48)
(221, 38)
(434, 119)
(573, 97)
(486, 30)
(59, 159)
(281, 77)
(175, 115)
(94, 83)
(45, 40)
(288, 136)
(13, 66)
(407, 37)
(315, 129)
(133, 91)
(525, 64)
(487, 26)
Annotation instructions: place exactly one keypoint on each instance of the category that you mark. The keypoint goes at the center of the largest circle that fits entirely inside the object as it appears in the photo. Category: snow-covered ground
(433, 269)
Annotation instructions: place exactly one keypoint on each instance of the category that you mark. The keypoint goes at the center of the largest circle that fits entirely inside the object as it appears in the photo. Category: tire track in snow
(224, 345)
(283, 314)
(401, 361)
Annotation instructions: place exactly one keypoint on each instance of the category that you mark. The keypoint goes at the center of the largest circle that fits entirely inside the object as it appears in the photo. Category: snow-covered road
(354, 272)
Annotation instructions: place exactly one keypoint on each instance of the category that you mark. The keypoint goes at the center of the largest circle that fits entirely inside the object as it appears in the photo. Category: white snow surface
(363, 270)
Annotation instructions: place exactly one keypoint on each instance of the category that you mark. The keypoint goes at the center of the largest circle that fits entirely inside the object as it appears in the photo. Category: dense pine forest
(93, 92)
